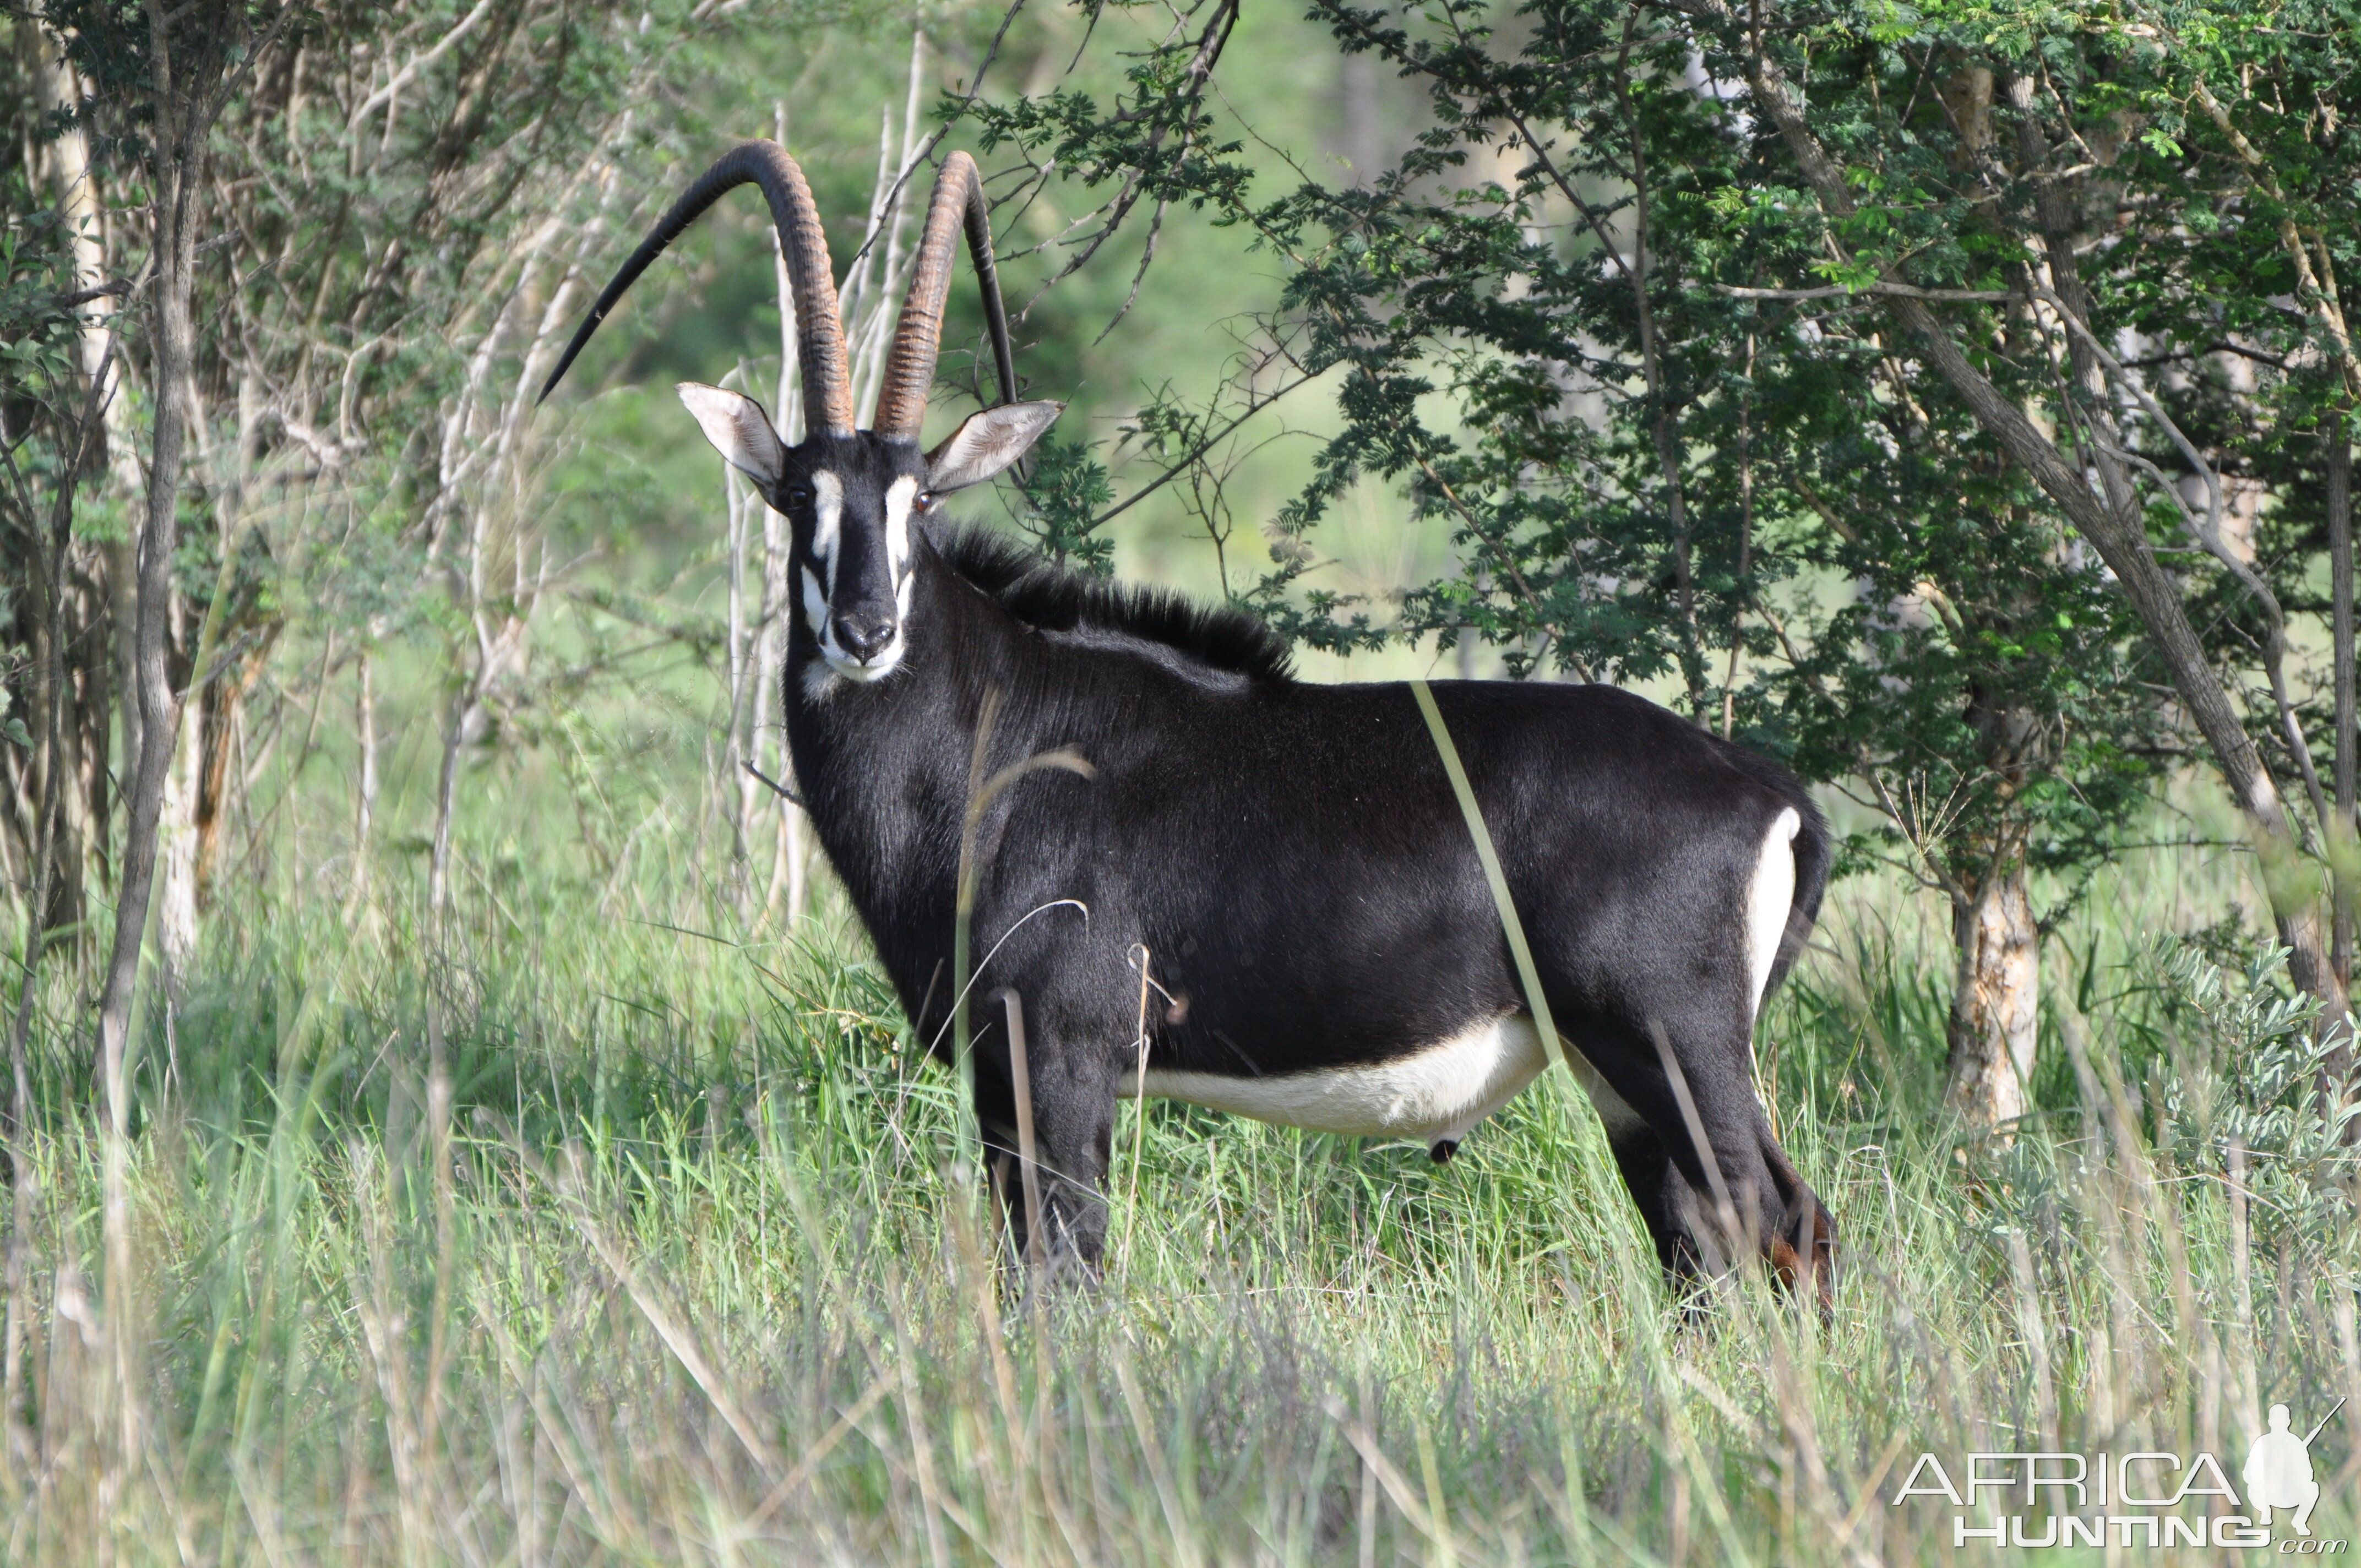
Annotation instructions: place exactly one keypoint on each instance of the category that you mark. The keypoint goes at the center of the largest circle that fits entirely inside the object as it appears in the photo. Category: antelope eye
(926, 499)
(800, 495)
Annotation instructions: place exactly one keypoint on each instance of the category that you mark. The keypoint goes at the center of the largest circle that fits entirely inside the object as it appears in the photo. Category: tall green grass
(578, 1235)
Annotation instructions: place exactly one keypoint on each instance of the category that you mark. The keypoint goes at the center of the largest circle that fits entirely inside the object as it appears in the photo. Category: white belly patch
(1434, 1094)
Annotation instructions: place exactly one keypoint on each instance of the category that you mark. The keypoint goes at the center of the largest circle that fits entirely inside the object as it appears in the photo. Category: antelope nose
(863, 636)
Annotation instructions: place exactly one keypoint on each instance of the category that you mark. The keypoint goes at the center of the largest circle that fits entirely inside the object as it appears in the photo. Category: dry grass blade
(1028, 1158)
(1398, 1490)
(810, 1461)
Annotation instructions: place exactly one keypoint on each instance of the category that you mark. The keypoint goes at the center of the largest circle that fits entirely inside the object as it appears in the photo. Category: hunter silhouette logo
(2279, 1471)
(2119, 1500)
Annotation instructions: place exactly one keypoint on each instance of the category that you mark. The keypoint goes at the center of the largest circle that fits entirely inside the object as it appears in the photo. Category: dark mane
(1054, 598)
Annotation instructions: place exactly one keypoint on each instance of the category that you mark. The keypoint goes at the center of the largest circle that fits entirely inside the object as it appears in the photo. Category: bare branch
(402, 78)
(1881, 287)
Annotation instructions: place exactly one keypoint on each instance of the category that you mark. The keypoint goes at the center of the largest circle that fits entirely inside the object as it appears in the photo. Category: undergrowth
(570, 1239)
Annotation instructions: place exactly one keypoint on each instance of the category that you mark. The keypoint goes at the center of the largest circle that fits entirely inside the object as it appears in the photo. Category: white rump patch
(815, 606)
(1434, 1094)
(1768, 902)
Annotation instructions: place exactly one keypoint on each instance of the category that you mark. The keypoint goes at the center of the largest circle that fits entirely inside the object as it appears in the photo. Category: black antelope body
(1290, 855)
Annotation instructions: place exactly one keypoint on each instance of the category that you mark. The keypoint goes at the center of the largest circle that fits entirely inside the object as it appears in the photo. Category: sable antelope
(1290, 855)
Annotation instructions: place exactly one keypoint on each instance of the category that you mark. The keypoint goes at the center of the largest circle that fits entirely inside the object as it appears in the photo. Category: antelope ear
(985, 443)
(739, 430)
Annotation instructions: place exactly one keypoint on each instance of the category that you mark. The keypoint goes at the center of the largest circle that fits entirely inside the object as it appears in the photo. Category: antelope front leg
(1037, 1083)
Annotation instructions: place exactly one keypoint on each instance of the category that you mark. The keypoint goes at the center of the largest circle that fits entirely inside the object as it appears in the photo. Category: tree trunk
(177, 170)
(794, 862)
(2340, 574)
(78, 203)
(176, 918)
(174, 186)
(221, 788)
(92, 672)
(39, 770)
(122, 573)
(47, 801)
(366, 806)
(68, 607)
(61, 694)
(1995, 1006)
(185, 87)
(463, 712)
(236, 620)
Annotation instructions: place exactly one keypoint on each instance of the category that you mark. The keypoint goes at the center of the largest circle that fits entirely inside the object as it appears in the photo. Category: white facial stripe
(827, 506)
(815, 607)
(899, 494)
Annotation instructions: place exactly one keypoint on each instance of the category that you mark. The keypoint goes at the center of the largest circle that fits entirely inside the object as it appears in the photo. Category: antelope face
(851, 494)
(851, 502)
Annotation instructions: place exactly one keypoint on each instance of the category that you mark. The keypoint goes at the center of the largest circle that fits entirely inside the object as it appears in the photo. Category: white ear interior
(987, 442)
(738, 428)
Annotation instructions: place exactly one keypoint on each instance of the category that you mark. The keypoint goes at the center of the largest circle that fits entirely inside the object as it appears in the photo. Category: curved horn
(918, 335)
(819, 336)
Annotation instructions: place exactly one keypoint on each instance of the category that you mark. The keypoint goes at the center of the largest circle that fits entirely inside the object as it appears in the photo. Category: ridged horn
(819, 336)
(919, 333)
